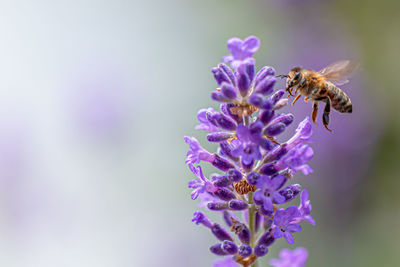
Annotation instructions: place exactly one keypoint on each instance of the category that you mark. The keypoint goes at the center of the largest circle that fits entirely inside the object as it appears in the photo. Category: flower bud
(290, 192)
(221, 163)
(281, 103)
(286, 119)
(275, 129)
(221, 181)
(225, 69)
(227, 218)
(252, 178)
(277, 153)
(276, 96)
(228, 91)
(268, 168)
(219, 97)
(249, 166)
(217, 205)
(266, 116)
(226, 150)
(266, 86)
(237, 204)
(234, 175)
(220, 233)
(224, 194)
(243, 84)
(224, 122)
(220, 76)
(245, 250)
(257, 100)
(217, 250)
(260, 250)
(229, 247)
(263, 73)
(267, 239)
(217, 137)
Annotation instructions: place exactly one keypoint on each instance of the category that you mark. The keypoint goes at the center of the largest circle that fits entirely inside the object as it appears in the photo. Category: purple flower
(202, 185)
(200, 217)
(196, 152)
(226, 262)
(302, 135)
(269, 191)
(284, 223)
(291, 258)
(205, 124)
(296, 159)
(305, 208)
(250, 141)
(241, 50)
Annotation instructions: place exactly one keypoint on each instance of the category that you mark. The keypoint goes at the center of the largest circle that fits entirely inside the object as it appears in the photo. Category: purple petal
(235, 46)
(278, 198)
(227, 58)
(289, 238)
(310, 219)
(293, 228)
(195, 193)
(278, 233)
(304, 196)
(194, 183)
(268, 204)
(279, 216)
(242, 132)
(251, 44)
(305, 169)
(292, 212)
(277, 182)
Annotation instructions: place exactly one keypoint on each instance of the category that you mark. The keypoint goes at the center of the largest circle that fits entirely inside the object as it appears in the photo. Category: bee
(321, 86)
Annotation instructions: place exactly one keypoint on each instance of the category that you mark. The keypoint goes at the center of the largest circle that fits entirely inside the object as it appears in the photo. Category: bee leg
(297, 98)
(289, 90)
(325, 116)
(314, 92)
(315, 112)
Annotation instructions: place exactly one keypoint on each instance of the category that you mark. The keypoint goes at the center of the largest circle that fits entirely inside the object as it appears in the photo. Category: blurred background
(96, 96)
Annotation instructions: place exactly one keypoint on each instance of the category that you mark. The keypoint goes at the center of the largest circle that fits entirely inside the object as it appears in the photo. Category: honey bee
(321, 86)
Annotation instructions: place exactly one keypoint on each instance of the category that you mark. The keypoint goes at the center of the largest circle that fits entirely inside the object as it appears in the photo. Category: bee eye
(296, 76)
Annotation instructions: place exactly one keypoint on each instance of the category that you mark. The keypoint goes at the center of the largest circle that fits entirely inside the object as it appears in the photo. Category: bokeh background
(95, 97)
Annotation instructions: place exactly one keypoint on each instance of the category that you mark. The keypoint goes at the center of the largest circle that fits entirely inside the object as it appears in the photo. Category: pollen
(243, 187)
(231, 139)
(244, 109)
(245, 262)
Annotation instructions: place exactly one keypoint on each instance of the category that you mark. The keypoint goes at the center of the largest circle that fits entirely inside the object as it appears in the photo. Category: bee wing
(339, 71)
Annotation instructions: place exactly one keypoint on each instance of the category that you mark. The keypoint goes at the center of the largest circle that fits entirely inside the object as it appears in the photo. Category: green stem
(252, 223)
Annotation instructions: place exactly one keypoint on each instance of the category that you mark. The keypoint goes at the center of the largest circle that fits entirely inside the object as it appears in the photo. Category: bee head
(294, 77)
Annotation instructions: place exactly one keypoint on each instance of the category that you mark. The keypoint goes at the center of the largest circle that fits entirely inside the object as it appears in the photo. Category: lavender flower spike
(253, 167)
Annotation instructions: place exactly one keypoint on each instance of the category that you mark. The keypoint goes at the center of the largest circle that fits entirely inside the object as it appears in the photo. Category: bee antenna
(281, 76)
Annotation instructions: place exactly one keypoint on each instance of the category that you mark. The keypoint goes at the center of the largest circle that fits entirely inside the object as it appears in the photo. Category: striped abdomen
(340, 101)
